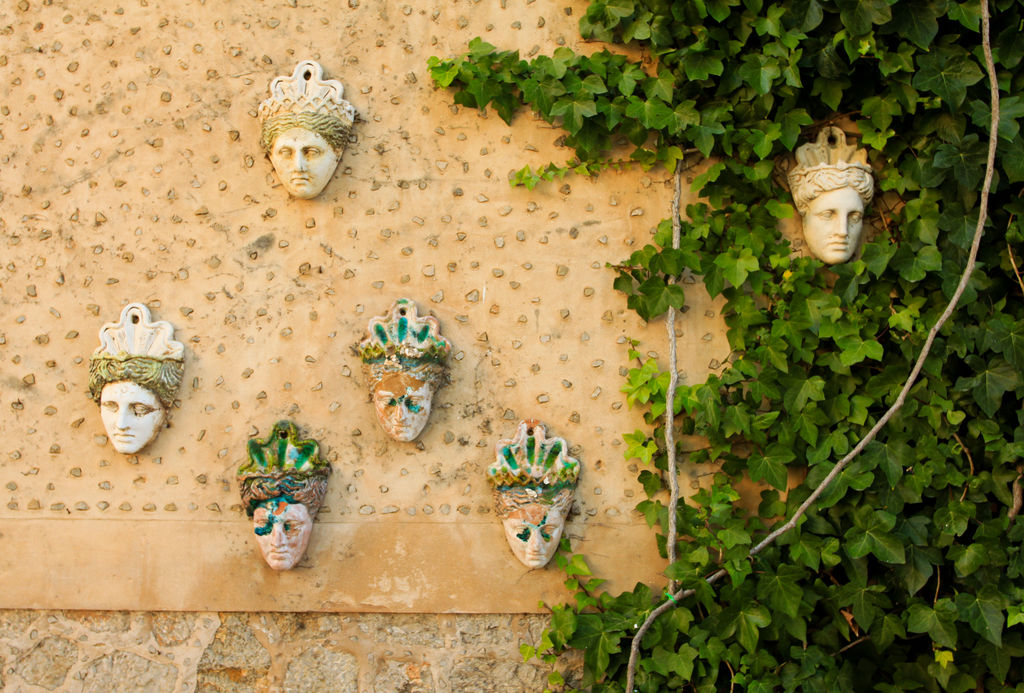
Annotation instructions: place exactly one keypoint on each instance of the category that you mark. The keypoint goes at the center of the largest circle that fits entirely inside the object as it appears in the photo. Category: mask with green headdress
(534, 480)
(283, 484)
(404, 359)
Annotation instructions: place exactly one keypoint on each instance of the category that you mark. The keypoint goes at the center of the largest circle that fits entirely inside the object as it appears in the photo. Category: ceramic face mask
(404, 360)
(132, 415)
(305, 125)
(282, 485)
(133, 376)
(402, 403)
(533, 532)
(282, 532)
(304, 162)
(831, 185)
(833, 224)
(534, 481)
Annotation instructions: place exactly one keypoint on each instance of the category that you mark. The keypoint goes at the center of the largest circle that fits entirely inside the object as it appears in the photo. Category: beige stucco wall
(130, 171)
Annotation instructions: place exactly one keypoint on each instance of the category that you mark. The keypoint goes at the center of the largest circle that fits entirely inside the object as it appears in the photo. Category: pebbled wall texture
(102, 652)
(130, 171)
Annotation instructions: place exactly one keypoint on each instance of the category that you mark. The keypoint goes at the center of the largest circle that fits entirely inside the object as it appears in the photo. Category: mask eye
(139, 409)
(284, 151)
(827, 214)
(110, 405)
(523, 534)
(856, 217)
(265, 528)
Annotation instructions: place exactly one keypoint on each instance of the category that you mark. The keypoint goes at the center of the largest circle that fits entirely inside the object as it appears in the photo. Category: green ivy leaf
(770, 467)
(890, 629)
(659, 296)
(914, 266)
(737, 264)
(872, 533)
(918, 570)
(700, 66)
(660, 87)
(792, 123)
(939, 622)
(781, 589)
(984, 611)
(597, 643)
(947, 72)
(967, 559)
(855, 350)
(808, 390)
(1005, 335)
(917, 21)
(573, 110)
(859, 15)
(991, 381)
(891, 455)
(748, 622)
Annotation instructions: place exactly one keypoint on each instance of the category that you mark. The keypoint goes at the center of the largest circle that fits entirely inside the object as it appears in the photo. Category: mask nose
(277, 535)
(122, 418)
(535, 543)
(396, 413)
(842, 228)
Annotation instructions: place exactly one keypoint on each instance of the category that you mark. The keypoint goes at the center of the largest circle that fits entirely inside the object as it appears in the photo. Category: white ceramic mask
(304, 162)
(833, 223)
(132, 415)
(282, 532)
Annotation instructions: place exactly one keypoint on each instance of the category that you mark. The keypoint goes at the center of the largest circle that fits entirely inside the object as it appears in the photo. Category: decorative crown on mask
(827, 164)
(306, 99)
(402, 340)
(531, 459)
(138, 349)
(282, 465)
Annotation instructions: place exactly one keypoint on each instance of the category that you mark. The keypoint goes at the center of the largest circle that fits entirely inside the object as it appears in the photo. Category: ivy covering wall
(906, 573)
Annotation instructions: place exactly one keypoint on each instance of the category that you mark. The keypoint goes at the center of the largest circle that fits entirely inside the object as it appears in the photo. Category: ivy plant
(906, 573)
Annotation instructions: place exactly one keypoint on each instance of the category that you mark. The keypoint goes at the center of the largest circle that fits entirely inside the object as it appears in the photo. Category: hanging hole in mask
(135, 319)
(401, 311)
(529, 431)
(307, 75)
(282, 434)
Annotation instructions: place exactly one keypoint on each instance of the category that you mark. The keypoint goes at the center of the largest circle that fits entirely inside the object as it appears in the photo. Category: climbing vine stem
(673, 382)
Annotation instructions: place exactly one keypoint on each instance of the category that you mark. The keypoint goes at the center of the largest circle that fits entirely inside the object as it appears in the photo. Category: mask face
(304, 162)
(282, 532)
(833, 223)
(533, 532)
(132, 415)
(402, 403)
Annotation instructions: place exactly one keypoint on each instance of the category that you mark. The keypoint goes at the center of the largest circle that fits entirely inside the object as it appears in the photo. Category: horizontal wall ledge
(411, 567)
